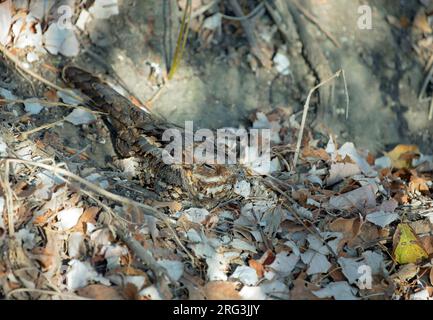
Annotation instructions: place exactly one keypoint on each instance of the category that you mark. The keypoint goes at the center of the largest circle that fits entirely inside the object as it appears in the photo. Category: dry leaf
(99, 292)
(321, 154)
(339, 171)
(302, 289)
(402, 155)
(418, 184)
(256, 265)
(350, 228)
(221, 290)
(364, 197)
(43, 218)
(369, 234)
(130, 291)
(49, 256)
(421, 22)
(407, 246)
(427, 244)
(89, 215)
(51, 95)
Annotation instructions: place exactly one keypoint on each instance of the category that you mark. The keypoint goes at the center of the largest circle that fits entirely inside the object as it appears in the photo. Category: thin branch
(304, 116)
(17, 62)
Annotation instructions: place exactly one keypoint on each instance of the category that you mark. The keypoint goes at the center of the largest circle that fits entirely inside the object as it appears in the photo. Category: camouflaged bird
(139, 134)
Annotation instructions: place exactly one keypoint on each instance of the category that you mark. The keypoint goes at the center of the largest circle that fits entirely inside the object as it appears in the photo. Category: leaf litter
(335, 229)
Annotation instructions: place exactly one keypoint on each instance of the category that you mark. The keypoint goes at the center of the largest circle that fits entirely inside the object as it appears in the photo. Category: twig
(147, 210)
(296, 215)
(53, 293)
(249, 33)
(346, 93)
(248, 16)
(304, 116)
(313, 19)
(203, 9)
(51, 104)
(17, 62)
(143, 255)
(62, 172)
(24, 135)
(427, 80)
(5, 184)
(430, 113)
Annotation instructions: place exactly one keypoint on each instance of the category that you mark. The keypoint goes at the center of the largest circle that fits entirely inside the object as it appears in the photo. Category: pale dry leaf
(376, 262)
(340, 171)
(40, 9)
(284, 263)
(275, 289)
(217, 267)
(242, 245)
(104, 9)
(282, 63)
(213, 22)
(150, 293)
(196, 215)
(340, 290)
(246, 275)
(242, 188)
(348, 149)
(382, 218)
(5, 21)
(252, 293)
(76, 246)
(61, 40)
(174, 268)
(364, 197)
(351, 268)
(32, 106)
(317, 262)
(68, 218)
(80, 274)
(83, 19)
(80, 116)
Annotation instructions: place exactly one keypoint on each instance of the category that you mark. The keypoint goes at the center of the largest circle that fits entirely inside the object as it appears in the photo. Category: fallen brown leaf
(100, 292)
(302, 289)
(418, 184)
(256, 265)
(88, 216)
(427, 244)
(350, 228)
(221, 290)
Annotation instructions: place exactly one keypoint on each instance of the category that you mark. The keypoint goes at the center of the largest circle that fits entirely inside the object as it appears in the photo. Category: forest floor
(342, 222)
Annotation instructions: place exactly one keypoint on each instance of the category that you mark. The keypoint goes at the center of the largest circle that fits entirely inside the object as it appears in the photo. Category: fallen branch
(313, 19)
(248, 27)
(17, 62)
(61, 173)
